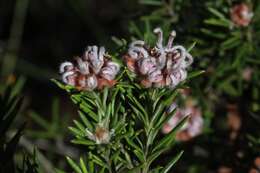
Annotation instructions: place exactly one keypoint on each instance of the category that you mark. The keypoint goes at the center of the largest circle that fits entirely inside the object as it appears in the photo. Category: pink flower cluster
(241, 14)
(161, 65)
(193, 126)
(93, 70)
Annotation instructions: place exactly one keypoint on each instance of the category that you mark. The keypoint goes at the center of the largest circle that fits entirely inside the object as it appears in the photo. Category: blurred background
(36, 36)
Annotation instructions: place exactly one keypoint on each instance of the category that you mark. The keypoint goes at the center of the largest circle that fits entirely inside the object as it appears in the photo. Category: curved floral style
(93, 70)
(161, 65)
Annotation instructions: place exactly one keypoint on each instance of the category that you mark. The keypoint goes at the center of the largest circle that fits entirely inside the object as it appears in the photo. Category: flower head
(93, 70)
(193, 126)
(161, 65)
(241, 14)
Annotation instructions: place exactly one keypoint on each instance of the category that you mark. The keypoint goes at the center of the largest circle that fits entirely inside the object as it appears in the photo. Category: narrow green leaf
(83, 166)
(218, 22)
(195, 74)
(73, 165)
(83, 142)
(77, 132)
(167, 140)
(39, 120)
(171, 163)
(151, 2)
(79, 125)
(216, 13)
(85, 121)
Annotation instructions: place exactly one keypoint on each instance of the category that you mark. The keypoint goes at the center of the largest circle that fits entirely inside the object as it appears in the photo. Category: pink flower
(193, 126)
(161, 65)
(241, 14)
(93, 70)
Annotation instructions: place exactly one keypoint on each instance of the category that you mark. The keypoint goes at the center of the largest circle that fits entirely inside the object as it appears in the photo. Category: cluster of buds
(241, 14)
(161, 65)
(93, 70)
(193, 126)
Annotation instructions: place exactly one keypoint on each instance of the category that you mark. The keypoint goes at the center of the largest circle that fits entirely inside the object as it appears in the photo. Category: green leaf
(85, 121)
(39, 120)
(218, 22)
(79, 125)
(218, 35)
(10, 116)
(191, 46)
(171, 163)
(195, 74)
(83, 142)
(98, 161)
(77, 132)
(231, 43)
(83, 166)
(216, 13)
(73, 165)
(151, 2)
(154, 155)
(139, 155)
(167, 140)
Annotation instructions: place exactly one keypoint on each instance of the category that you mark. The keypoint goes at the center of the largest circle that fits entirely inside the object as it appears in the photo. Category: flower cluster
(241, 14)
(93, 70)
(194, 125)
(161, 65)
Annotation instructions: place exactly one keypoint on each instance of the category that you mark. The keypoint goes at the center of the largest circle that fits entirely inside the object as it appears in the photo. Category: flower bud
(175, 77)
(66, 66)
(83, 66)
(109, 72)
(155, 76)
(91, 82)
(146, 65)
(241, 14)
(69, 77)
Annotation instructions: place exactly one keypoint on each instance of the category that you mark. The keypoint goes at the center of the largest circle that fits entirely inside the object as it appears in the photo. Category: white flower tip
(64, 65)
(157, 30)
(173, 33)
(137, 43)
(102, 50)
(65, 75)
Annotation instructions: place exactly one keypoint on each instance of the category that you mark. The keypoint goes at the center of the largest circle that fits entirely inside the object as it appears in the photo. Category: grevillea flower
(161, 65)
(241, 14)
(93, 70)
(193, 126)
